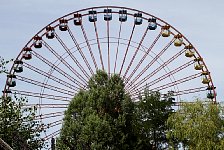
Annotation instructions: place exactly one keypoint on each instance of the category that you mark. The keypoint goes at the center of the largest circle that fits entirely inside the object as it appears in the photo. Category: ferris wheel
(144, 50)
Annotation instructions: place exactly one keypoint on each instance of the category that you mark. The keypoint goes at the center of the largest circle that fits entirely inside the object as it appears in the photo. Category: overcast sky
(201, 21)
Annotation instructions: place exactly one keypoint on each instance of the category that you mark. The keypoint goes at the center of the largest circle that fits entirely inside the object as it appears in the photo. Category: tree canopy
(197, 126)
(105, 117)
(18, 127)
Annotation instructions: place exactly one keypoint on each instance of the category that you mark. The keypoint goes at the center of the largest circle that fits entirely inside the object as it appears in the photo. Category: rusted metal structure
(142, 48)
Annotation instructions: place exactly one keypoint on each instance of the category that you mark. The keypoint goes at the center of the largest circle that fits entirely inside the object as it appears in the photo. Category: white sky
(201, 21)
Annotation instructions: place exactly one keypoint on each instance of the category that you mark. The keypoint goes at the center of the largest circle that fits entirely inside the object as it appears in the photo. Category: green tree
(99, 118)
(153, 113)
(105, 117)
(18, 127)
(198, 126)
(3, 63)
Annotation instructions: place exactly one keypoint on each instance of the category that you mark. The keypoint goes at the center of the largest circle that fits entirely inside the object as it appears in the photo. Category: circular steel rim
(42, 33)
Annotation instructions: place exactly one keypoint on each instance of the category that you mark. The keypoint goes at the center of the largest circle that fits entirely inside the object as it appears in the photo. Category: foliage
(95, 117)
(18, 128)
(3, 64)
(154, 112)
(105, 117)
(197, 126)
(17, 125)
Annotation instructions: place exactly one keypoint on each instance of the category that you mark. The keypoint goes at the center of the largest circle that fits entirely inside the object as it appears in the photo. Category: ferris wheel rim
(42, 33)
(117, 7)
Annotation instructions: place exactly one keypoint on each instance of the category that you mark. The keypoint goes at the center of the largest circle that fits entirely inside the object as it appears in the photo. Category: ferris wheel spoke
(54, 134)
(118, 44)
(80, 51)
(158, 69)
(136, 51)
(98, 43)
(53, 124)
(171, 84)
(126, 52)
(145, 55)
(108, 46)
(59, 70)
(46, 106)
(65, 62)
(192, 90)
(50, 76)
(168, 74)
(185, 79)
(72, 56)
(89, 47)
(44, 85)
(47, 96)
(49, 115)
(153, 61)
(176, 93)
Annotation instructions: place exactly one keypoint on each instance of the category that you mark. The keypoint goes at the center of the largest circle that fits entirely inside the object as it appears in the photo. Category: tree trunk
(4, 145)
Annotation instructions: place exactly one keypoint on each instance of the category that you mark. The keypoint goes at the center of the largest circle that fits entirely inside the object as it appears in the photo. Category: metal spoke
(98, 43)
(47, 96)
(47, 106)
(125, 55)
(48, 86)
(52, 135)
(50, 76)
(108, 46)
(64, 62)
(168, 85)
(168, 74)
(136, 51)
(49, 115)
(58, 69)
(153, 61)
(159, 68)
(89, 47)
(118, 44)
(145, 55)
(80, 51)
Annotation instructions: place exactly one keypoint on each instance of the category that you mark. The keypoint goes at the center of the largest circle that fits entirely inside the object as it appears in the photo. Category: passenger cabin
(7, 92)
(210, 95)
(198, 66)
(138, 18)
(122, 15)
(172, 99)
(210, 88)
(205, 78)
(63, 26)
(11, 82)
(50, 32)
(178, 40)
(92, 16)
(189, 50)
(18, 66)
(198, 63)
(165, 31)
(27, 55)
(107, 14)
(170, 93)
(37, 41)
(210, 92)
(152, 24)
(77, 19)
